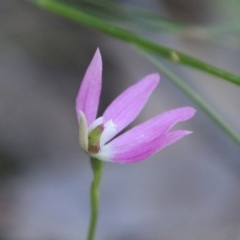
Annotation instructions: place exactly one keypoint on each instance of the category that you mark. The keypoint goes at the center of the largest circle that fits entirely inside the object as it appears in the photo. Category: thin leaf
(193, 95)
(169, 53)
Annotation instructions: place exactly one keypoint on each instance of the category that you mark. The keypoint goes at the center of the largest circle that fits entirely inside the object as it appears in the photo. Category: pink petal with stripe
(89, 93)
(125, 108)
(143, 136)
(144, 150)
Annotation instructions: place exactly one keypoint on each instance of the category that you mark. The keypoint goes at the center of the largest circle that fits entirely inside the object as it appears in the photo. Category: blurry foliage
(121, 20)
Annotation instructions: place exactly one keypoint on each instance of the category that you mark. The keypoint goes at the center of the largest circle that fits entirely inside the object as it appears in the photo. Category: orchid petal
(83, 131)
(147, 132)
(142, 150)
(125, 108)
(89, 93)
(152, 128)
(96, 123)
(109, 130)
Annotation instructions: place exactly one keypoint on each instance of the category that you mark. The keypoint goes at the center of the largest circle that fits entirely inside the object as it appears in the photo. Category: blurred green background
(188, 191)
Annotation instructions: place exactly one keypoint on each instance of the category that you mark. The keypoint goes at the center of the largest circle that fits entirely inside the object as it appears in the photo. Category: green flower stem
(120, 33)
(97, 167)
(193, 95)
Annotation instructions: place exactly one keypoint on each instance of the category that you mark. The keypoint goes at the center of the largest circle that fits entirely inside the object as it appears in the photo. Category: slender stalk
(97, 167)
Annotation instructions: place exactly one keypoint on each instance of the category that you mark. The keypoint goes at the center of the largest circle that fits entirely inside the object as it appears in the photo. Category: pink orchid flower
(96, 135)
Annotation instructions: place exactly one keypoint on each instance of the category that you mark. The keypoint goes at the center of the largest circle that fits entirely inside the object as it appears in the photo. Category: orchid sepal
(97, 135)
